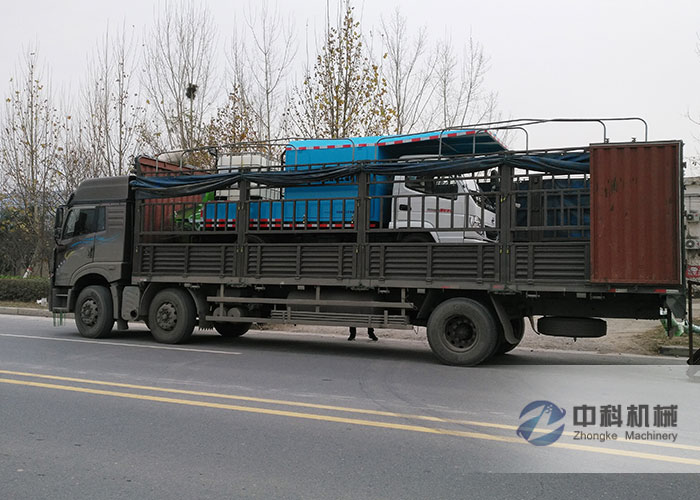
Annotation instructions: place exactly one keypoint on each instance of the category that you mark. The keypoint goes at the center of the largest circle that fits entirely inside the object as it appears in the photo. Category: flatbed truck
(446, 230)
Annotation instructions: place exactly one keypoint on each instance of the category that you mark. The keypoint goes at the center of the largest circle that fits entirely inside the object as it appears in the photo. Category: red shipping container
(635, 213)
(160, 214)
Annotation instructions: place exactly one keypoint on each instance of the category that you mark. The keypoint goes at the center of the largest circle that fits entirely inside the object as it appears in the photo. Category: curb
(28, 311)
(674, 350)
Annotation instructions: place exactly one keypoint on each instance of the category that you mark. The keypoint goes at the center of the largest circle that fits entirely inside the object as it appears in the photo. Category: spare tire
(564, 326)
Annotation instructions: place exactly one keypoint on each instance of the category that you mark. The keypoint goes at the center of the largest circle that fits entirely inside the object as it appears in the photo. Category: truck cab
(429, 203)
(93, 243)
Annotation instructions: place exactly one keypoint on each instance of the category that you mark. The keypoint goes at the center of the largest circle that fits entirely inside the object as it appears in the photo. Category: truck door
(454, 210)
(434, 205)
(110, 235)
(76, 246)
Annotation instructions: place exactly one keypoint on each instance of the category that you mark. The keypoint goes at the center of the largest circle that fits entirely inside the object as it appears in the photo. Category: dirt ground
(624, 336)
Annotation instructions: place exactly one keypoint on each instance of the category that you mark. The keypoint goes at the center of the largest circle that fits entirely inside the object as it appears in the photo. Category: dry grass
(658, 337)
(31, 305)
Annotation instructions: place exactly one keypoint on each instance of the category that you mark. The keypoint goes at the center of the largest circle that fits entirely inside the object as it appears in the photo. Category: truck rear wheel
(232, 330)
(172, 316)
(462, 332)
(94, 314)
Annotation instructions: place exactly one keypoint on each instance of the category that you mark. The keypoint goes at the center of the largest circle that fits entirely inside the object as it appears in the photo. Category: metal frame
(534, 251)
(520, 124)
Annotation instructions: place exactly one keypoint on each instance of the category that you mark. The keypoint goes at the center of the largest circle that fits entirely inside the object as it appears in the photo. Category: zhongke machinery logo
(545, 413)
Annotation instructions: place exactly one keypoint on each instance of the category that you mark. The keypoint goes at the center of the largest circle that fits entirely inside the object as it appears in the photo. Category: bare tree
(461, 95)
(30, 152)
(76, 156)
(233, 123)
(113, 114)
(409, 73)
(268, 58)
(179, 75)
(344, 94)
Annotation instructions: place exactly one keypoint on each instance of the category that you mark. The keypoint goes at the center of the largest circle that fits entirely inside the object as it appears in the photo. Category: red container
(160, 214)
(635, 213)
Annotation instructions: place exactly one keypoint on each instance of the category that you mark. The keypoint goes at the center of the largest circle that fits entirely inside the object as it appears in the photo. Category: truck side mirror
(58, 223)
(494, 180)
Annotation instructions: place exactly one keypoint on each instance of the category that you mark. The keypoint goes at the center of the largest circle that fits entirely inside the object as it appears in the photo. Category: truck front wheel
(172, 316)
(462, 332)
(94, 312)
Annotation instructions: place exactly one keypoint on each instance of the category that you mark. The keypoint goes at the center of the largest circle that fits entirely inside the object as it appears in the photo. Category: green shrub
(23, 290)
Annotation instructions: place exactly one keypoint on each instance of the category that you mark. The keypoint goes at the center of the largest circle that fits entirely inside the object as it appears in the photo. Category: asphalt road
(274, 415)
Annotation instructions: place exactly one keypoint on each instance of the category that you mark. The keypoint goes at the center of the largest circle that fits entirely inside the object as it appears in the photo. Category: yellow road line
(353, 421)
(299, 404)
(265, 411)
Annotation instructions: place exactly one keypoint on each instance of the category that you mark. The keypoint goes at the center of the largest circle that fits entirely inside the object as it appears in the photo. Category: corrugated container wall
(635, 213)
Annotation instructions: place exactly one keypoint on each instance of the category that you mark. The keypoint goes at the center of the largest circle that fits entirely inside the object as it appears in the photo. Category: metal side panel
(561, 262)
(307, 260)
(457, 263)
(187, 259)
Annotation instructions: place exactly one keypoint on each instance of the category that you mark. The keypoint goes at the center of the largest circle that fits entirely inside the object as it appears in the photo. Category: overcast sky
(549, 58)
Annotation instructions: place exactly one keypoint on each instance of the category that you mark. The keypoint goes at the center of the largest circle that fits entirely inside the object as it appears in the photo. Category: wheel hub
(460, 333)
(166, 317)
(89, 312)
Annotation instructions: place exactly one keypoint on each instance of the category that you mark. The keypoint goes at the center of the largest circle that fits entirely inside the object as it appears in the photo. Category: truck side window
(420, 184)
(430, 186)
(445, 186)
(84, 221)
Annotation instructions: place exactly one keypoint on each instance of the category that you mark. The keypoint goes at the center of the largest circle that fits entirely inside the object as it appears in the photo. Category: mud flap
(504, 320)
(676, 304)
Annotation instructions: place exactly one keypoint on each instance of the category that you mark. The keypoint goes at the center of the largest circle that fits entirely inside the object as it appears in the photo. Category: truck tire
(94, 314)
(232, 330)
(462, 332)
(518, 325)
(172, 316)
